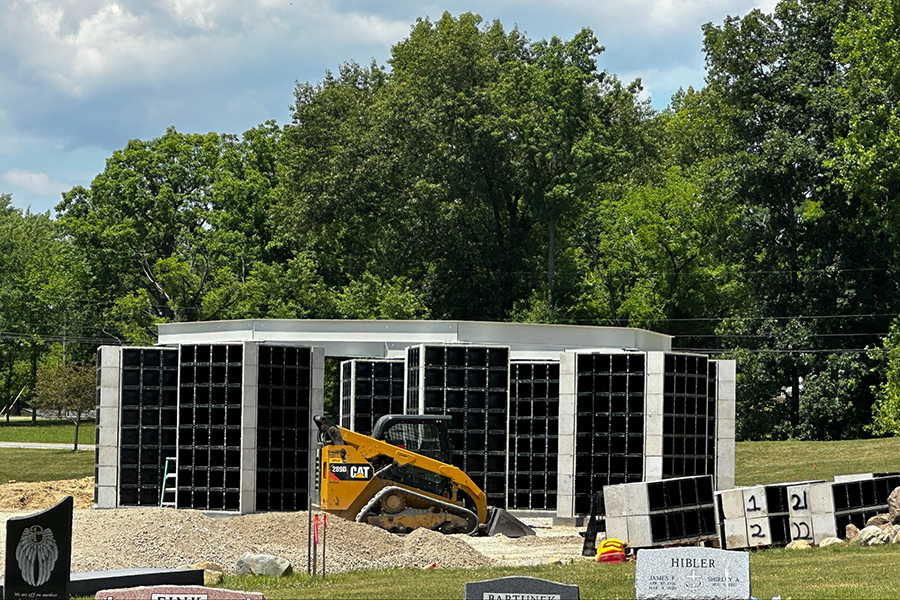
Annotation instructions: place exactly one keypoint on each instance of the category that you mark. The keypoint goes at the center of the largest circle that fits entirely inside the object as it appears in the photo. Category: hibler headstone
(39, 554)
(692, 572)
(520, 588)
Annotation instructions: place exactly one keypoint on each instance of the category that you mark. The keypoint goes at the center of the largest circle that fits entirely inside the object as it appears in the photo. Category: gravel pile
(164, 537)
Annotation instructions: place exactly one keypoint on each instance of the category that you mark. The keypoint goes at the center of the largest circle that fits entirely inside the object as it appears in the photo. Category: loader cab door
(423, 434)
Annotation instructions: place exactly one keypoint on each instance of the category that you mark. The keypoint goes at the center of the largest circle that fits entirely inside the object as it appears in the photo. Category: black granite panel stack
(471, 384)
(681, 509)
(370, 389)
(533, 431)
(858, 501)
(689, 414)
(149, 429)
(346, 412)
(414, 379)
(283, 453)
(609, 423)
(779, 513)
(209, 435)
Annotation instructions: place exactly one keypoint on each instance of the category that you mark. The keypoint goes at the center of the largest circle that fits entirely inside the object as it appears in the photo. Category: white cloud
(82, 48)
(39, 183)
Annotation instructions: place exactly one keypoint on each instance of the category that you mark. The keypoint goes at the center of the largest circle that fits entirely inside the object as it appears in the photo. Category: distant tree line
(482, 175)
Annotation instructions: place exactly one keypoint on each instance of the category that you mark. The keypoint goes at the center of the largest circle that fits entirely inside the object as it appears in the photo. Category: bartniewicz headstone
(519, 588)
(692, 572)
(39, 554)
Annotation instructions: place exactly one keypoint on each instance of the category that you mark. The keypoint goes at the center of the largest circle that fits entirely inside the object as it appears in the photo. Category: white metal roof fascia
(374, 339)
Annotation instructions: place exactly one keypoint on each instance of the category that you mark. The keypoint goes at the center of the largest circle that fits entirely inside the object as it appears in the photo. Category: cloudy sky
(79, 78)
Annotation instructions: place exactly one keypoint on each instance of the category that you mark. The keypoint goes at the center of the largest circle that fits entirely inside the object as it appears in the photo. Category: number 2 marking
(757, 533)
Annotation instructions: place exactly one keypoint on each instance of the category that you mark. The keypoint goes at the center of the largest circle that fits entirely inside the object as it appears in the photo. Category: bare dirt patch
(35, 496)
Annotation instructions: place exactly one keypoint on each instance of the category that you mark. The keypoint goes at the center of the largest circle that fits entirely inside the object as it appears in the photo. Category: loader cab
(423, 434)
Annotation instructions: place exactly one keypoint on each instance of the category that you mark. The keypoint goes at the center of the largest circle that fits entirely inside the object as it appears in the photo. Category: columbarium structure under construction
(218, 415)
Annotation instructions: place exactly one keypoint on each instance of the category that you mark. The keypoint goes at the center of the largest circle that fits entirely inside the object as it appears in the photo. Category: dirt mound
(35, 496)
(165, 537)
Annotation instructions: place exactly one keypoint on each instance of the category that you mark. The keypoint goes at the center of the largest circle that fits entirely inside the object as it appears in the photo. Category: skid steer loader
(400, 478)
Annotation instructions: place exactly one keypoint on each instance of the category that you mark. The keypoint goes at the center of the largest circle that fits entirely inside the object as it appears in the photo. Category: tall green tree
(173, 227)
(460, 169)
(779, 80)
(42, 300)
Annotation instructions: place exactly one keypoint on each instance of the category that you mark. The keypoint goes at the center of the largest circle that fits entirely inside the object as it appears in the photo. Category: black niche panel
(609, 423)
(209, 435)
(681, 509)
(533, 435)
(370, 389)
(283, 453)
(149, 422)
(471, 384)
(855, 502)
(689, 416)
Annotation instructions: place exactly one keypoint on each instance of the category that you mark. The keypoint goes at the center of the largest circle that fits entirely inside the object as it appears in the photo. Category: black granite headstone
(39, 554)
(520, 588)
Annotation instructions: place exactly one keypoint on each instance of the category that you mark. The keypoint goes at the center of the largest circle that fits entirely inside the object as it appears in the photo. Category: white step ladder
(169, 483)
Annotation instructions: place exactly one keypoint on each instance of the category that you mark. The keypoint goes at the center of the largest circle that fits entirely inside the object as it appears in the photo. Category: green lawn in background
(47, 431)
(762, 463)
(25, 464)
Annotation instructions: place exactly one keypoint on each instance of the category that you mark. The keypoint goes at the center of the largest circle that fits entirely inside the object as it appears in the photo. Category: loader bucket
(501, 522)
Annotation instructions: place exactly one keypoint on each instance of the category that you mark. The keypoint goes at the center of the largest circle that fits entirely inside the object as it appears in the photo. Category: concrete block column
(249, 424)
(653, 416)
(565, 490)
(109, 395)
(726, 378)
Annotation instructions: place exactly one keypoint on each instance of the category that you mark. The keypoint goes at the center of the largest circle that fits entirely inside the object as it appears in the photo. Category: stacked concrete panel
(533, 435)
(744, 518)
(660, 513)
(370, 389)
(565, 464)
(653, 423)
(776, 514)
(810, 510)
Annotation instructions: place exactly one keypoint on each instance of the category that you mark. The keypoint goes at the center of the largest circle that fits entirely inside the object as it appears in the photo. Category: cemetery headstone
(39, 554)
(519, 588)
(692, 572)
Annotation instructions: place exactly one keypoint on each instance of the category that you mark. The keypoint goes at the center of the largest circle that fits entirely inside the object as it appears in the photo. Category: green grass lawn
(851, 572)
(21, 464)
(46, 431)
(761, 463)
